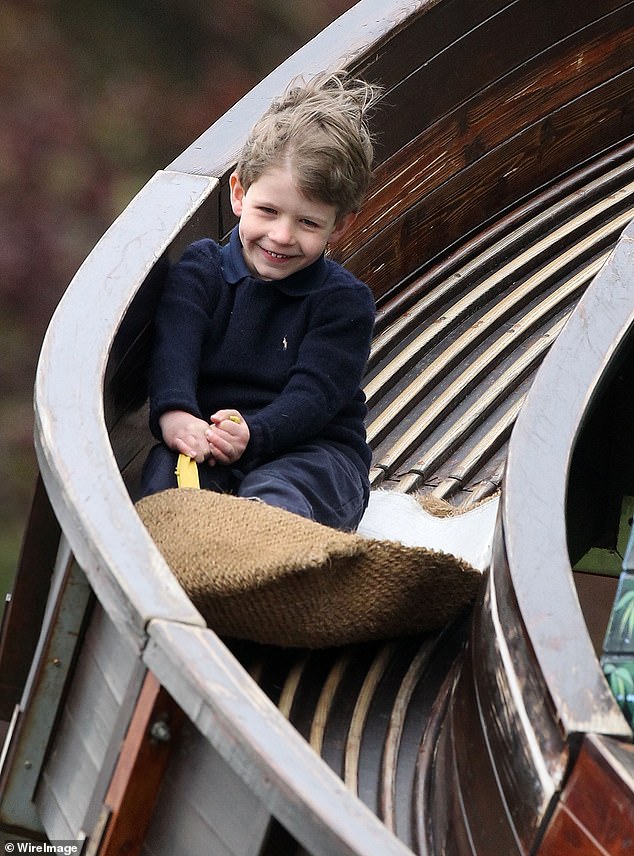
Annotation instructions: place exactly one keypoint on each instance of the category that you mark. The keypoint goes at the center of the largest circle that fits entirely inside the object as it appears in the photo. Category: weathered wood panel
(92, 723)
(204, 806)
(36, 715)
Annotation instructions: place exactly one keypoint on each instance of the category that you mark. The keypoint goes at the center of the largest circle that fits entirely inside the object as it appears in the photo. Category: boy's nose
(282, 232)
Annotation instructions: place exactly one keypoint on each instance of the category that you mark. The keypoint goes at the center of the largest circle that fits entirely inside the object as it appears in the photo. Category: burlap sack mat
(260, 573)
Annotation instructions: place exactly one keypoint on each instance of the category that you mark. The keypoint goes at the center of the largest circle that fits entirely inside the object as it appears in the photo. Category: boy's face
(282, 231)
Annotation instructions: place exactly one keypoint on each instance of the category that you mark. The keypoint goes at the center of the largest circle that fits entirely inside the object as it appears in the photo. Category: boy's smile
(282, 231)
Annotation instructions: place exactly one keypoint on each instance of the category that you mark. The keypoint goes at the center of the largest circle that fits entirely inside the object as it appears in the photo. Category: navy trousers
(314, 481)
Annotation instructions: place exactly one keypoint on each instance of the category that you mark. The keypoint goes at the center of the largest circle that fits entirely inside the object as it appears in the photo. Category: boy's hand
(185, 434)
(227, 436)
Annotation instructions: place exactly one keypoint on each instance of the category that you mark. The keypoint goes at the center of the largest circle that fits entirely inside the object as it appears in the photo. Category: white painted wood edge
(533, 512)
(76, 460)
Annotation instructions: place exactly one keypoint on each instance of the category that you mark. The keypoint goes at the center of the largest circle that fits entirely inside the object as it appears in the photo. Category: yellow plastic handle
(187, 472)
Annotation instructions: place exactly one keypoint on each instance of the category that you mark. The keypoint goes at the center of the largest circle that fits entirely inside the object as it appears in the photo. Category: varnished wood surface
(463, 354)
(23, 616)
(477, 130)
(137, 778)
(595, 816)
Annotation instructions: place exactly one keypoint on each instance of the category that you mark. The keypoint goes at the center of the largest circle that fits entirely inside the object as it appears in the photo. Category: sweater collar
(234, 269)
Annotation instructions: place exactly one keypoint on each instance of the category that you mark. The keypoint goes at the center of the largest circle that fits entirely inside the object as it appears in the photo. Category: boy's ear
(342, 223)
(237, 193)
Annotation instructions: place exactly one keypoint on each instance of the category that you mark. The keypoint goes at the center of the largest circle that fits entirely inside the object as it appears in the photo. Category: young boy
(260, 345)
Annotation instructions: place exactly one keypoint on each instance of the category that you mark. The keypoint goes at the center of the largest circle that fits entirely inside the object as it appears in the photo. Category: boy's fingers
(225, 416)
(184, 448)
(221, 445)
(224, 449)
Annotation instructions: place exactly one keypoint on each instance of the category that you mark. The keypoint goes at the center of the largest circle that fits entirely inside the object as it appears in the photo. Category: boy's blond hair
(320, 129)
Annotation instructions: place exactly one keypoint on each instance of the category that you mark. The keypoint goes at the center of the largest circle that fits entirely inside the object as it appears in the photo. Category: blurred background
(95, 96)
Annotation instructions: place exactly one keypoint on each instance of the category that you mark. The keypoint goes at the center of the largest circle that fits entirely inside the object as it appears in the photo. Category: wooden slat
(419, 472)
(494, 284)
(360, 715)
(290, 688)
(388, 796)
(489, 443)
(348, 696)
(487, 487)
(139, 772)
(595, 179)
(269, 667)
(357, 661)
(22, 617)
(452, 274)
(315, 674)
(394, 413)
(413, 436)
(324, 708)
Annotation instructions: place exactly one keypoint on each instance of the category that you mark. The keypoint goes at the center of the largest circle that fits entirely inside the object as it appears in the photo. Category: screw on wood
(160, 731)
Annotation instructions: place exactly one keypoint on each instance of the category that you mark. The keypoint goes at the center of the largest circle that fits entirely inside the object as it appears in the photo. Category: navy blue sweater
(289, 354)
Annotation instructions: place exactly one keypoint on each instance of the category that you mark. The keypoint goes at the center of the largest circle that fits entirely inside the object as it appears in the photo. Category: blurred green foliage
(94, 98)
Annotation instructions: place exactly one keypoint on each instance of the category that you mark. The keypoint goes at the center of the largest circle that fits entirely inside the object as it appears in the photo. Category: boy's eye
(310, 223)
(265, 210)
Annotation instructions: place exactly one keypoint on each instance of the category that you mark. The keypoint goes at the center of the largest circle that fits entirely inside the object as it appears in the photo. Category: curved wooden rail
(537, 482)
(531, 686)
